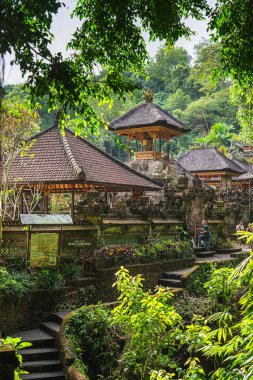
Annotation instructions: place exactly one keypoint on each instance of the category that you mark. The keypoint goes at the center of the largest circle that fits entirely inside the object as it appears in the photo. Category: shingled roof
(147, 114)
(208, 160)
(70, 159)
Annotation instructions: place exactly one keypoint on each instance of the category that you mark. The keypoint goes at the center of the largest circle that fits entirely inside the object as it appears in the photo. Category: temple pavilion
(68, 164)
(212, 166)
(149, 126)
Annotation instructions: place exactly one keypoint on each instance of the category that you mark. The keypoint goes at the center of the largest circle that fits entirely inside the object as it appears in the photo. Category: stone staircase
(41, 360)
(176, 280)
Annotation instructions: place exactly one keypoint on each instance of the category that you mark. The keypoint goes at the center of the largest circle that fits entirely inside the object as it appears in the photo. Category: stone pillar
(8, 362)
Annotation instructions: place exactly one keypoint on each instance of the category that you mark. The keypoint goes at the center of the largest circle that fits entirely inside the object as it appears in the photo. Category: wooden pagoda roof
(147, 115)
(68, 161)
(209, 160)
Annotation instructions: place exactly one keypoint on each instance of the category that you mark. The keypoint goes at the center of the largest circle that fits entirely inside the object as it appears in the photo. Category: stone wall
(30, 311)
(151, 272)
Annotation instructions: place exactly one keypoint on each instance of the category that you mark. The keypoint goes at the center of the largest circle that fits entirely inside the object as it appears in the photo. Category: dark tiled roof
(147, 114)
(243, 177)
(243, 164)
(62, 159)
(208, 160)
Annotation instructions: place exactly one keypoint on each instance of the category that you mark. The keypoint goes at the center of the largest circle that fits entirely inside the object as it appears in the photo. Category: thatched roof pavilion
(65, 162)
(148, 124)
(211, 166)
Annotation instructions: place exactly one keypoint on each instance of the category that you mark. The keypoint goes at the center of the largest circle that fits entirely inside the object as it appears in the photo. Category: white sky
(63, 27)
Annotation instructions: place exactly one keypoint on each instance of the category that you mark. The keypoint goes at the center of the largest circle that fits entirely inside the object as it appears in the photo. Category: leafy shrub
(94, 341)
(198, 279)
(221, 287)
(18, 345)
(71, 273)
(48, 279)
(118, 254)
(13, 260)
(166, 250)
(150, 326)
(14, 284)
(203, 274)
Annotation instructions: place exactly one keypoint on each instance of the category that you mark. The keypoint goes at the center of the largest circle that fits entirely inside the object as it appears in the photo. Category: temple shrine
(150, 127)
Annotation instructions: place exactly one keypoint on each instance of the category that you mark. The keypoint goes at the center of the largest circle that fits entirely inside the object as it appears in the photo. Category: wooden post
(155, 145)
(73, 203)
(46, 202)
(22, 203)
(160, 144)
(128, 149)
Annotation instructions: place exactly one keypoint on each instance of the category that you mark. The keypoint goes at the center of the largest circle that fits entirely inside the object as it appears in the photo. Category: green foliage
(199, 278)
(150, 325)
(210, 109)
(220, 135)
(71, 273)
(95, 342)
(242, 97)
(14, 284)
(48, 279)
(231, 23)
(220, 287)
(18, 345)
(201, 74)
(166, 250)
(13, 259)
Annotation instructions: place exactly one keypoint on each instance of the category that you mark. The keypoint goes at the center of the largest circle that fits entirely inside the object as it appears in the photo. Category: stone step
(170, 283)
(171, 275)
(234, 255)
(51, 328)
(199, 249)
(58, 317)
(36, 366)
(39, 353)
(205, 253)
(38, 337)
(228, 250)
(54, 375)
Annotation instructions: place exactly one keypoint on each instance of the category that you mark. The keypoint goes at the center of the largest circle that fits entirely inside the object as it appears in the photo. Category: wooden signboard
(44, 249)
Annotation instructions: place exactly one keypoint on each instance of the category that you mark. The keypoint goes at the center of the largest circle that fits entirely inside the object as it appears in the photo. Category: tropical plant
(14, 284)
(48, 279)
(71, 273)
(94, 340)
(17, 344)
(149, 324)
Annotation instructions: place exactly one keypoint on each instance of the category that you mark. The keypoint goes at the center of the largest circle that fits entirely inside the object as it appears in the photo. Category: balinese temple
(212, 166)
(149, 126)
(65, 163)
(69, 173)
(244, 180)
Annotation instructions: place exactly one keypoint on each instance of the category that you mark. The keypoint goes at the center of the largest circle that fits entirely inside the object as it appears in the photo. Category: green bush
(14, 284)
(94, 341)
(198, 279)
(48, 279)
(71, 273)
(166, 250)
(13, 260)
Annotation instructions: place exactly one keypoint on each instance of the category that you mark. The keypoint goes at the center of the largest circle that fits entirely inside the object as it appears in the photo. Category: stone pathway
(176, 280)
(41, 360)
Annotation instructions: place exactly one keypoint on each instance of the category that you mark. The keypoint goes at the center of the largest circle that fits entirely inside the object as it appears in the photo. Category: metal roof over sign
(52, 219)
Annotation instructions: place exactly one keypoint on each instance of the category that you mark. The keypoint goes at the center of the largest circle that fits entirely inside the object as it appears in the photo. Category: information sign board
(44, 248)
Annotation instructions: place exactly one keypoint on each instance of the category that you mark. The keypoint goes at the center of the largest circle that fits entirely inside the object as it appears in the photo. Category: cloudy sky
(64, 26)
